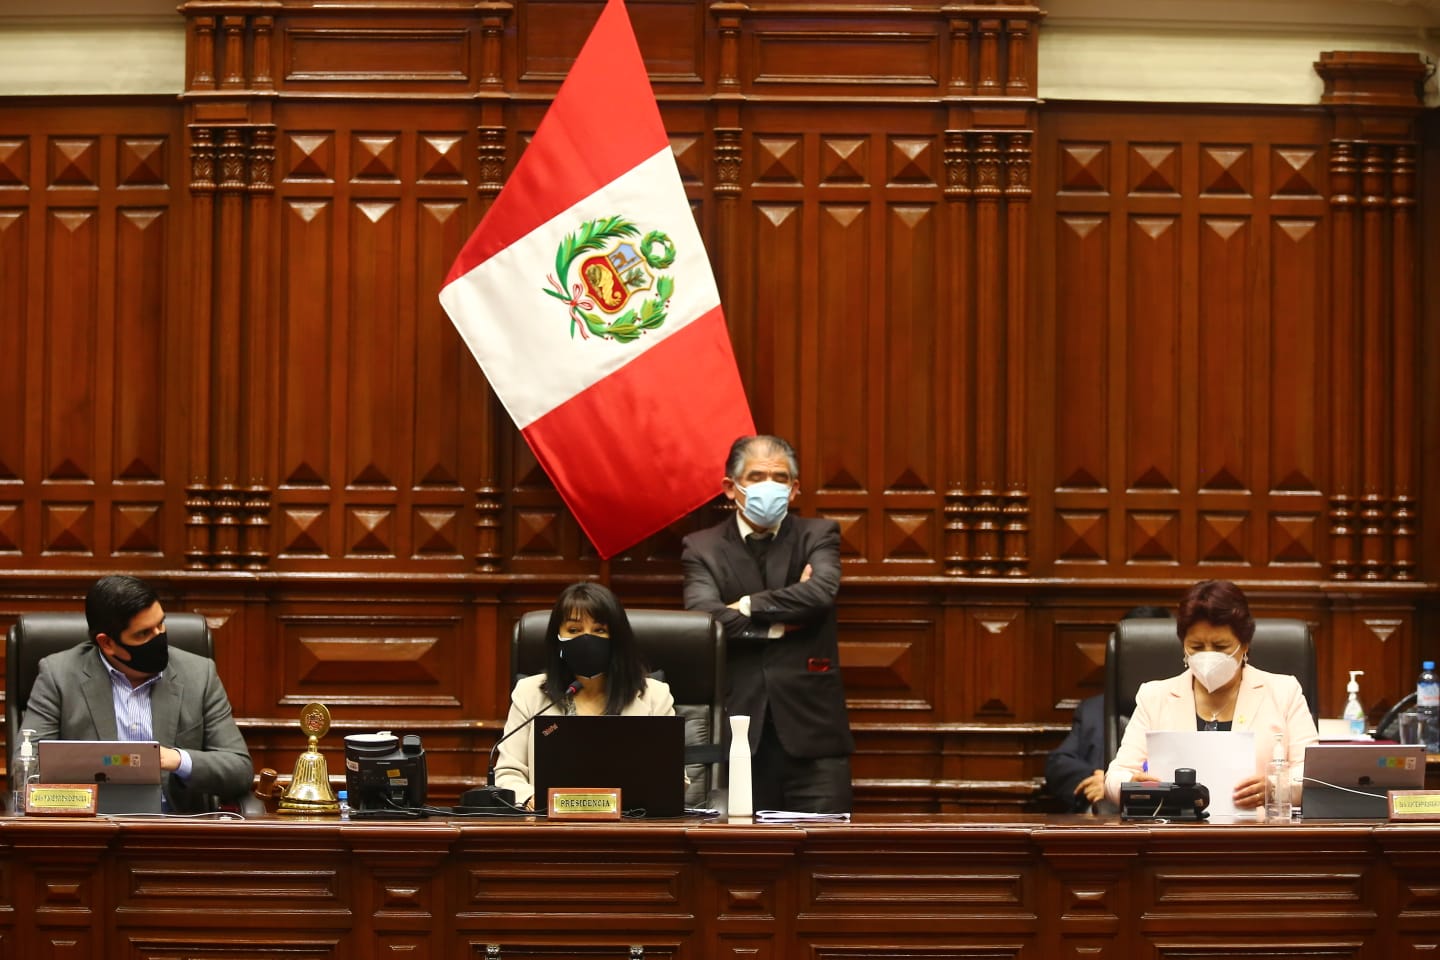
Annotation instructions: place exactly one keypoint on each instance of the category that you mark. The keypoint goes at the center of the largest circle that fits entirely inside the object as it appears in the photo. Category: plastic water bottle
(1427, 704)
(344, 797)
(27, 768)
(1277, 785)
(1354, 713)
(741, 802)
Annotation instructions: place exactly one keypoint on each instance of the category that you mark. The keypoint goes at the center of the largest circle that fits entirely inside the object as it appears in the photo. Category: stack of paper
(797, 816)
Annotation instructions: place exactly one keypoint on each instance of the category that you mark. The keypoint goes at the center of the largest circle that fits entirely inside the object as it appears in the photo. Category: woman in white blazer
(592, 668)
(1218, 691)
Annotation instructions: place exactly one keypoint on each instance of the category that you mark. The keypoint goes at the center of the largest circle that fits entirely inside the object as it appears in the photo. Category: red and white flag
(586, 296)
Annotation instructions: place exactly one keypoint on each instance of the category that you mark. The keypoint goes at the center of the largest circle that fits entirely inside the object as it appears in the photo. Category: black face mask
(152, 656)
(586, 654)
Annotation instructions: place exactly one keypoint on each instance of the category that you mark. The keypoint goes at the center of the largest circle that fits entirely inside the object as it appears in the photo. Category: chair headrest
(683, 641)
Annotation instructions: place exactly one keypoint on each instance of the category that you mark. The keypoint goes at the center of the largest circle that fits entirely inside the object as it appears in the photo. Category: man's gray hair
(760, 445)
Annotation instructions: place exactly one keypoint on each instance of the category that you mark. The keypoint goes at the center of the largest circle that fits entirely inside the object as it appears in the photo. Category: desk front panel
(890, 888)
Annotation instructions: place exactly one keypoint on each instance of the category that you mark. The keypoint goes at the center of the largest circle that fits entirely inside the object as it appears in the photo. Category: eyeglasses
(1213, 724)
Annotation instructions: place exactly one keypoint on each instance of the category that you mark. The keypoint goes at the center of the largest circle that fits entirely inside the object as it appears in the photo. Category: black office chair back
(688, 648)
(34, 636)
(1146, 649)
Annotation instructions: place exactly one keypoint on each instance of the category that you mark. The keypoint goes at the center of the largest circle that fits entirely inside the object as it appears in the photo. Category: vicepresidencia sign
(1414, 804)
(61, 799)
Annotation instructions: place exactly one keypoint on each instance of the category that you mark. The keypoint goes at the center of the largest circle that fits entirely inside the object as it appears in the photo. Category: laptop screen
(1350, 780)
(642, 756)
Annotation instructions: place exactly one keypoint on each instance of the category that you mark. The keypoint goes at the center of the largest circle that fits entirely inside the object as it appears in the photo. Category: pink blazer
(1268, 704)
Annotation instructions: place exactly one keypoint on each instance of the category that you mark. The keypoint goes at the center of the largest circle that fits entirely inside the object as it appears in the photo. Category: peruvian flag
(586, 296)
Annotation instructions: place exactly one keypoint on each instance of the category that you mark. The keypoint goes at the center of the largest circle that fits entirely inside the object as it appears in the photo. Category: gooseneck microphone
(490, 797)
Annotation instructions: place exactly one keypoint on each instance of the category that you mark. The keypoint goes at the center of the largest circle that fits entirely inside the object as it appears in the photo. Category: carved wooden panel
(1190, 394)
(88, 334)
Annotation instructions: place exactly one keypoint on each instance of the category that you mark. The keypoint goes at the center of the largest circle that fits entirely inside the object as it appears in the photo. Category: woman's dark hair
(1219, 602)
(113, 602)
(625, 677)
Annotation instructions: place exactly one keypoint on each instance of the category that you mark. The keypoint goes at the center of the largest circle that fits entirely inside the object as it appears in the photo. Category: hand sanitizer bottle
(1354, 713)
(27, 768)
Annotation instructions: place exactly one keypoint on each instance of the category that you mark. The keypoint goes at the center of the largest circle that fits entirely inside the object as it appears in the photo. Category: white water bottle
(741, 803)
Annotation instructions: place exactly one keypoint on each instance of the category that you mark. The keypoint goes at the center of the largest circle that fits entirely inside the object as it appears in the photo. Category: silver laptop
(1345, 781)
(127, 771)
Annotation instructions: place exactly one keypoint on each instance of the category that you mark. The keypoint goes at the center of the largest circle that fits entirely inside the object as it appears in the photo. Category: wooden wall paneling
(225, 317)
(1403, 351)
(956, 337)
(1428, 350)
(1375, 360)
(21, 319)
(16, 309)
(988, 370)
(1374, 100)
(1296, 375)
(1344, 375)
(1197, 390)
(1015, 509)
(86, 223)
(196, 370)
(1150, 427)
(388, 205)
(257, 370)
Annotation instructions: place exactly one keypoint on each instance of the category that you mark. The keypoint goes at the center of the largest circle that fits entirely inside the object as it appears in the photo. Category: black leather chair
(34, 636)
(1143, 649)
(688, 648)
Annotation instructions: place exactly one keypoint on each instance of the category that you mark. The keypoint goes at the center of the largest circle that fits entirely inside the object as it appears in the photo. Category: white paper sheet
(797, 816)
(1219, 758)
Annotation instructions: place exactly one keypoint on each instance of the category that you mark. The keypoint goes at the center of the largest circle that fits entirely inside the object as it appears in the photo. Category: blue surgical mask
(766, 503)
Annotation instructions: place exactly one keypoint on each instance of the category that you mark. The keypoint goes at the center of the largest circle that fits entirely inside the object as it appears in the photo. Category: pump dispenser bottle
(1354, 713)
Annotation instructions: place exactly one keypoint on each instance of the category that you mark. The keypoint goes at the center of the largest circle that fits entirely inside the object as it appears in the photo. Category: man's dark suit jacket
(796, 677)
(1081, 754)
(72, 700)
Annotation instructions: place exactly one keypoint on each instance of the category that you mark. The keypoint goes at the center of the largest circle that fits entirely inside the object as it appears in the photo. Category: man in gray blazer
(125, 683)
(771, 580)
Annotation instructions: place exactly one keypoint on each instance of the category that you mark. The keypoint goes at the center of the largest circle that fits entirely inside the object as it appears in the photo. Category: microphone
(490, 797)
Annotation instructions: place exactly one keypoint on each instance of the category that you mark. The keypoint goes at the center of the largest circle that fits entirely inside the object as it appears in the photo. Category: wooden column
(202, 213)
(1375, 99)
(988, 224)
(1343, 352)
(1405, 347)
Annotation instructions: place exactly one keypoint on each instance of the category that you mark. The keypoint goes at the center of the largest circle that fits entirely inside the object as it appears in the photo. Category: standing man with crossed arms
(771, 580)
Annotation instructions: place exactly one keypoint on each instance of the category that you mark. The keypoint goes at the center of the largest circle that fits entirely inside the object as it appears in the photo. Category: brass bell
(309, 791)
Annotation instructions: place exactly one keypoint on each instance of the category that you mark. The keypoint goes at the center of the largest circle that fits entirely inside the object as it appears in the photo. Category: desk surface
(900, 887)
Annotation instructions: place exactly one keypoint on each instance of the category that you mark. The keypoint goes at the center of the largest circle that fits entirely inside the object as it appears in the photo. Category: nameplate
(583, 803)
(61, 799)
(1414, 804)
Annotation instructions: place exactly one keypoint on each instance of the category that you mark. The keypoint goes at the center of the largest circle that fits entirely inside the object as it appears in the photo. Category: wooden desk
(930, 888)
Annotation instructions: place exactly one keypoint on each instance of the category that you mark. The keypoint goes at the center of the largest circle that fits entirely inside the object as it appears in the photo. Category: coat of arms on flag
(587, 298)
(614, 277)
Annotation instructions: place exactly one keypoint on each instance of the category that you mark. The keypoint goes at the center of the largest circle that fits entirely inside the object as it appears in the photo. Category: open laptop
(643, 756)
(1345, 781)
(128, 771)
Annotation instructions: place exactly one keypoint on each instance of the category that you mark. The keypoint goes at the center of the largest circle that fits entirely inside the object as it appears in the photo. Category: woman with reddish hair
(1219, 690)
